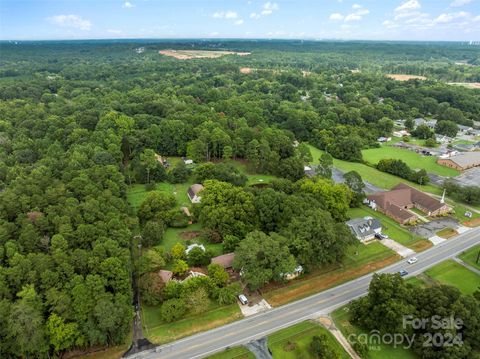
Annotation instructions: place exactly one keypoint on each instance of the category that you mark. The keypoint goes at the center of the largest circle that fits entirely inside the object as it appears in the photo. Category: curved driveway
(257, 326)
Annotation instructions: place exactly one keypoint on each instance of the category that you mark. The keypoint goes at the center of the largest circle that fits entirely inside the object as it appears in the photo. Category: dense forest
(82, 121)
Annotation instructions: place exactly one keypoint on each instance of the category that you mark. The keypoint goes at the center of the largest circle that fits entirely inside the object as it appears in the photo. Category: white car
(243, 299)
(412, 260)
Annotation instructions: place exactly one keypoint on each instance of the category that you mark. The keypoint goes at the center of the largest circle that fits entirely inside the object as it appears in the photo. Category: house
(401, 133)
(397, 203)
(429, 123)
(364, 229)
(309, 171)
(442, 139)
(225, 260)
(194, 245)
(188, 161)
(461, 161)
(193, 192)
(296, 272)
(165, 275)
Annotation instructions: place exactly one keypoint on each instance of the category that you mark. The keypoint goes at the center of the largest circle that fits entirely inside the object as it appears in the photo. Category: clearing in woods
(399, 77)
(199, 54)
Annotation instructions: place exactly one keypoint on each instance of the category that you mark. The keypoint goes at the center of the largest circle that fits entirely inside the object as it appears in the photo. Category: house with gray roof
(364, 229)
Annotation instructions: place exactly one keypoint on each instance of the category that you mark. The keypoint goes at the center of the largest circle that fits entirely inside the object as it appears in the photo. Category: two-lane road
(259, 325)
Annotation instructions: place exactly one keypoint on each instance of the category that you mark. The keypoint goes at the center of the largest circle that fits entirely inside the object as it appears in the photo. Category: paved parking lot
(470, 177)
(430, 229)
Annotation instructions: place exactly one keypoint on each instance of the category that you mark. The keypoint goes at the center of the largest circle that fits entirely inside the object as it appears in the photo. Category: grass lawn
(447, 233)
(392, 229)
(360, 259)
(411, 158)
(372, 175)
(251, 178)
(233, 353)
(173, 236)
(456, 275)
(300, 335)
(415, 281)
(471, 256)
(137, 193)
(381, 351)
(159, 332)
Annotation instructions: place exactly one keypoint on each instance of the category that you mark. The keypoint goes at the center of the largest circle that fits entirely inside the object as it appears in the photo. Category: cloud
(128, 5)
(268, 8)
(457, 3)
(225, 15)
(255, 16)
(72, 21)
(336, 16)
(352, 17)
(113, 31)
(356, 15)
(448, 18)
(239, 22)
(408, 5)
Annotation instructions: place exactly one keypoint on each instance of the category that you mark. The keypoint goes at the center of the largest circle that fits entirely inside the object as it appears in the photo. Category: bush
(178, 251)
(172, 310)
(152, 232)
(180, 267)
(230, 243)
(218, 274)
(150, 186)
(179, 220)
(228, 294)
(198, 257)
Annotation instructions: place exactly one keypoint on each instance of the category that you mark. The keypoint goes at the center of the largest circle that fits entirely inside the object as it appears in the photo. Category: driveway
(254, 308)
(430, 229)
(397, 247)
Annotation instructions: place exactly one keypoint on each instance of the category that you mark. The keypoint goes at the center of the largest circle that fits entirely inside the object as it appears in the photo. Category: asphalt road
(259, 325)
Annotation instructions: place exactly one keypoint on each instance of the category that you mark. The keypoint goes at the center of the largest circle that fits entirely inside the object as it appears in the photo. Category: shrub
(180, 267)
(172, 310)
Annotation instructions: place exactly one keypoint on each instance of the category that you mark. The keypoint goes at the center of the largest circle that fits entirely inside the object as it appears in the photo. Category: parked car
(243, 299)
(412, 260)
(381, 236)
(403, 272)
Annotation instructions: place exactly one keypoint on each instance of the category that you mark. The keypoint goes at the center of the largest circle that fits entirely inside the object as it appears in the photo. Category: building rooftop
(466, 159)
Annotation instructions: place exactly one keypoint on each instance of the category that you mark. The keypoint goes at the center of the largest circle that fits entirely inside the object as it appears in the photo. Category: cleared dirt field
(246, 70)
(470, 85)
(405, 77)
(199, 54)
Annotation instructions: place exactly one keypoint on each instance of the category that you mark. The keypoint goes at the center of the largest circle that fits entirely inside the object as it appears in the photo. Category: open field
(293, 342)
(469, 85)
(456, 275)
(411, 158)
(380, 351)
(402, 77)
(199, 54)
(394, 230)
(159, 332)
(372, 175)
(359, 260)
(470, 257)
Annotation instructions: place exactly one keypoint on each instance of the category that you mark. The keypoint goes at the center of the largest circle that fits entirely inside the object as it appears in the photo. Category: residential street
(260, 325)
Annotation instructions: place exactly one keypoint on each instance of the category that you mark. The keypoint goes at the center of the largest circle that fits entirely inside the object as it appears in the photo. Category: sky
(438, 20)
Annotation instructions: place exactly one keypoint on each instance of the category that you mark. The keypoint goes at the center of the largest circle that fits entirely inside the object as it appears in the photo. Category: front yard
(359, 260)
(471, 256)
(160, 332)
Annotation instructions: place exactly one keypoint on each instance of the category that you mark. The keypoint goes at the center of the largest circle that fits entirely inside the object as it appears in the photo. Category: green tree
(62, 335)
(447, 128)
(263, 258)
(156, 206)
(179, 267)
(354, 181)
(173, 310)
